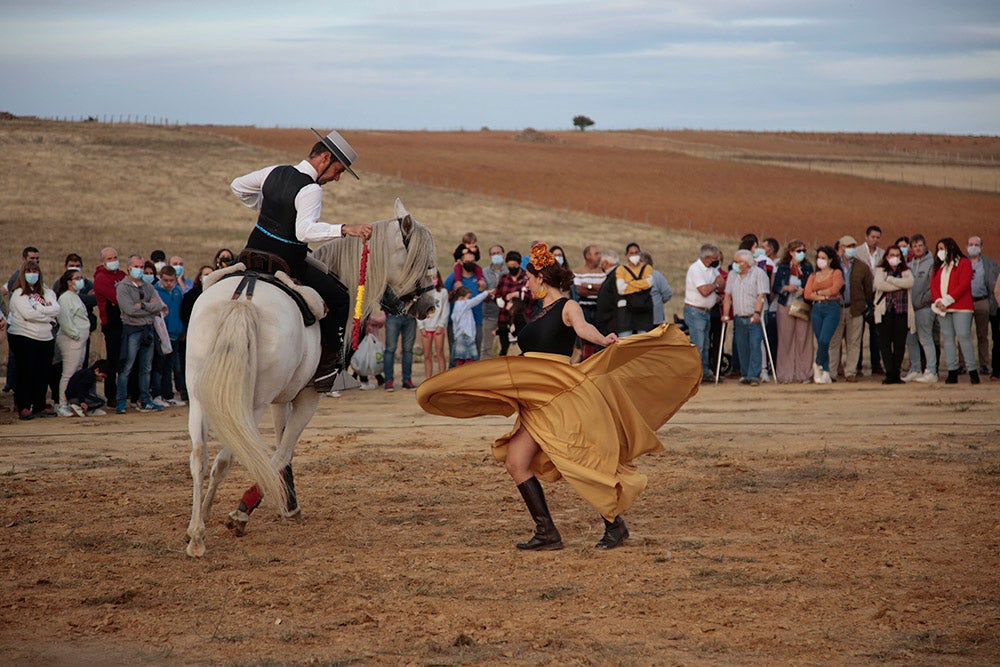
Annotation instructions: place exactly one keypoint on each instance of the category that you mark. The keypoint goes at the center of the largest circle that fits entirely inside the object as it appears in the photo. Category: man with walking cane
(746, 291)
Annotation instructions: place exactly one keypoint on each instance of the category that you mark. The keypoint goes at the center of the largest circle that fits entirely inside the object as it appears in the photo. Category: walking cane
(767, 346)
(718, 364)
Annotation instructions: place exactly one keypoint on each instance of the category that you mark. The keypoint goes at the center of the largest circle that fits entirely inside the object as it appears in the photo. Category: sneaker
(388, 386)
(137, 405)
(744, 380)
(754, 382)
(825, 378)
(369, 386)
(150, 407)
(122, 406)
(46, 412)
(765, 376)
(927, 376)
(160, 402)
(64, 411)
(77, 409)
(333, 393)
(96, 412)
(176, 403)
(911, 376)
(25, 414)
(408, 384)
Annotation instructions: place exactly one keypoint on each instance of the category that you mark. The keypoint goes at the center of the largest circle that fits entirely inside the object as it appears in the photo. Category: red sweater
(959, 285)
(104, 289)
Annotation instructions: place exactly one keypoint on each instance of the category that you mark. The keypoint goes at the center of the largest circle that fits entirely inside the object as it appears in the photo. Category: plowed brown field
(654, 178)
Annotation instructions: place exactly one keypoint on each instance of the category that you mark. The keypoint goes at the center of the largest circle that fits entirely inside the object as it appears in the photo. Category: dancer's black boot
(615, 533)
(546, 537)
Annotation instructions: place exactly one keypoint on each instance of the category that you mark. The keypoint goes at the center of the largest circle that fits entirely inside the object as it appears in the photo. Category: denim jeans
(825, 317)
(699, 324)
(923, 340)
(167, 370)
(137, 347)
(395, 326)
(747, 336)
(958, 324)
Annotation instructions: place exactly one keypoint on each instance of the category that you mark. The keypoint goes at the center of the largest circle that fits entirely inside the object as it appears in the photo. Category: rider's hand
(363, 232)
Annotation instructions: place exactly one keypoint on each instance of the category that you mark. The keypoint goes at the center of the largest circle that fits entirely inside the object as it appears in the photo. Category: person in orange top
(951, 292)
(823, 289)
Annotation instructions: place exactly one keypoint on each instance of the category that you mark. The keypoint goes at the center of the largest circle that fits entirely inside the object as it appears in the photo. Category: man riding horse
(290, 201)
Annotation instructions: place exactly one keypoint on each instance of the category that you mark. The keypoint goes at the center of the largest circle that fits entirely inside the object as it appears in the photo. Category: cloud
(882, 70)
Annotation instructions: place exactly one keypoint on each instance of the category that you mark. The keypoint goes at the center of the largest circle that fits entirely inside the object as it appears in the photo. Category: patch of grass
(991, 469)
(555, 592)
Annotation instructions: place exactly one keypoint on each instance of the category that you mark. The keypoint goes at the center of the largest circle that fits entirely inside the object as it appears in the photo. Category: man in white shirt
(703, 279)
(290, 201)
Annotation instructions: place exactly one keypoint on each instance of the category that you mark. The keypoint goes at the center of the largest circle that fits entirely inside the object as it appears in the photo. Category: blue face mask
(497, 260)
(79, 284)
(112, 266)
(736, 268)
(758, 253)
(179, 270)
(135, 272)
(31, 278)
(905, 250)
(148, 278)
(800, 255)
(851, 253)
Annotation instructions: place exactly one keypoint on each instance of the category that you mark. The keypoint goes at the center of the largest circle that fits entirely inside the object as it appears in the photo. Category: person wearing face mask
(178, 263)
(985, 272)
(558, 253)
(74, 331)
(924, 341)
(33, 310)
(951, 290)
(746, 293)
(29, 253)
(159, 260)
(467, 276)
(511, 297)
(702, 281)
(139, 304)
(824, 288)
(859, 282)
(872, 255)
(168, 368)
(495, 270)
(634, 281)
(223, 258)
(107, 275)
(794, 357)
(893, 311)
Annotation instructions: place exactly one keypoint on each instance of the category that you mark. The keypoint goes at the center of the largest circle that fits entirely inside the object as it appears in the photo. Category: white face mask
(973, 250)
(159, 265)
(822, 262)
(893, 262)
(112, 266)
(942, 255)
(634, 259)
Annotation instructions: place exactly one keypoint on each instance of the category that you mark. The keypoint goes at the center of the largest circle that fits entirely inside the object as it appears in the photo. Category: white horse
(245, 355)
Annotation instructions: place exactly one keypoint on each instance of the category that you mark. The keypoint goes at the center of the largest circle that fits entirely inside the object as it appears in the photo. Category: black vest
(275, 230)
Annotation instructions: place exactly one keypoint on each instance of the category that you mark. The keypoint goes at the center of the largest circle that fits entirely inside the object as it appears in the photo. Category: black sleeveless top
(547, 333)
(275, 230)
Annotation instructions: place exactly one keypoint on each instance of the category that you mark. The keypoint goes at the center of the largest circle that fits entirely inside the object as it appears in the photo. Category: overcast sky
(869, 65)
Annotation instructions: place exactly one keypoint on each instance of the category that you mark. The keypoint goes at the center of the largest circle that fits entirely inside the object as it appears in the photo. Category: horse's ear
(405, 219)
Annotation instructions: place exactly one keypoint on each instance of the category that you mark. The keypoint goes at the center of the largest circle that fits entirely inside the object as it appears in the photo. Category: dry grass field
(844, 524)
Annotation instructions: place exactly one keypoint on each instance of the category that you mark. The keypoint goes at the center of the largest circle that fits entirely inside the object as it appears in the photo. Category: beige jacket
(886, 283)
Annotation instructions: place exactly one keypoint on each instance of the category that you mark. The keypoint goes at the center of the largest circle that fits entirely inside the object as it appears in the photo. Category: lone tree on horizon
(582, 122)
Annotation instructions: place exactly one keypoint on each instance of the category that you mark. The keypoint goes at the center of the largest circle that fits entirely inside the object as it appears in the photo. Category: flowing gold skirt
(590, 420)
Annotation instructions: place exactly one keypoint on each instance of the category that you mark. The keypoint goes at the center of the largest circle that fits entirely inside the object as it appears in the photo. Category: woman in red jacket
(951, 291)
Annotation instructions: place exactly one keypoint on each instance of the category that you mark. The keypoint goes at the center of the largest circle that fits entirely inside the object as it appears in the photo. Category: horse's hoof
(294, 514)
(237, 522)
(196, 550)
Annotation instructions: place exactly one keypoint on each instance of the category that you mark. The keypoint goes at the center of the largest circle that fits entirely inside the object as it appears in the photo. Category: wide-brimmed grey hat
(340, 149)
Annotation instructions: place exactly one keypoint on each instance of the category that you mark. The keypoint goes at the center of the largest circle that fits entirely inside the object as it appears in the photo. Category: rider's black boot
(328, 369)
(546, 537)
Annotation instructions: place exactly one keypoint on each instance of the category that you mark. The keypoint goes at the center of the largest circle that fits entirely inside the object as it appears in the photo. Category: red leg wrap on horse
(251, 499)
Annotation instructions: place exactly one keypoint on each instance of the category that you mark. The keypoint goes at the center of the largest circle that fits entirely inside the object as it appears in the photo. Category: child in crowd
(81, 391)
(469, 244)
(463, 323)
(168, 369)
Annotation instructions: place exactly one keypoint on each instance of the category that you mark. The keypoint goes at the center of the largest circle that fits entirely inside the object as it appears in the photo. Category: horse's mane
(343, 256)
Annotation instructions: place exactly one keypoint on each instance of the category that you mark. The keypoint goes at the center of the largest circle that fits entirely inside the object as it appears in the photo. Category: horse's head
(399, 271)
(409, 281)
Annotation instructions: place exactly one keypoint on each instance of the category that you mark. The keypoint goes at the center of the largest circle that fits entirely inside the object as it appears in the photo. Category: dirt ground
(849, 524)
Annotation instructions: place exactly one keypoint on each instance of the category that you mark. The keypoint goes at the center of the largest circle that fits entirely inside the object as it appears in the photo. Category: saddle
(254, 265)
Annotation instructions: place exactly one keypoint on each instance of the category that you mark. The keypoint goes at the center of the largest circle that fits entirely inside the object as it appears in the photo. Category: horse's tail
(226, 389)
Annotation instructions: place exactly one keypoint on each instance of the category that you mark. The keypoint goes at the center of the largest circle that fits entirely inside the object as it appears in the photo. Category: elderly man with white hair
(747, 288)
(985, 272)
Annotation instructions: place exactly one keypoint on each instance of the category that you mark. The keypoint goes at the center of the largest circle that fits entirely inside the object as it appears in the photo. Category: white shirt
(308, 203)
(697, 275)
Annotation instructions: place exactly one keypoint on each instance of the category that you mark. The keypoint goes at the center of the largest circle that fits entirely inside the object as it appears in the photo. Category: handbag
(799, 308)
(367, 359)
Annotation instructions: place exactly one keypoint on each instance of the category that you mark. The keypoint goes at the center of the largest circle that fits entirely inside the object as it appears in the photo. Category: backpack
(639, 302)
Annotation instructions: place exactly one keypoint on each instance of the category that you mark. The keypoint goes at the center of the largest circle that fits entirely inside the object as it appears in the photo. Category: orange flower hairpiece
(541, 257)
